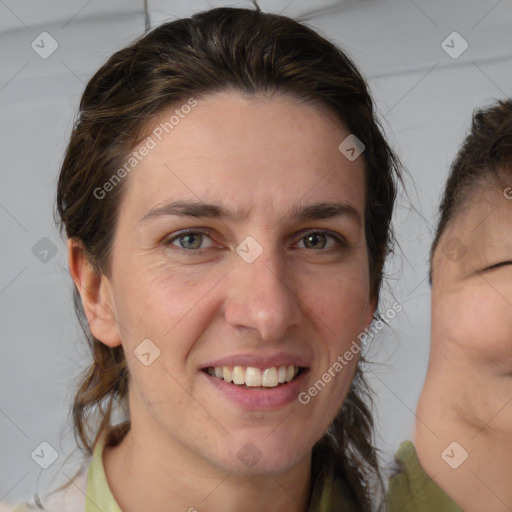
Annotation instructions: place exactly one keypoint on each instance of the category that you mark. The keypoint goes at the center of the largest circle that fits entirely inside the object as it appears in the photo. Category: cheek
(162, 307)
(340, 300)
(478, 319)
(339, 309)
(152, 308)
(153, 300)
(493, 316)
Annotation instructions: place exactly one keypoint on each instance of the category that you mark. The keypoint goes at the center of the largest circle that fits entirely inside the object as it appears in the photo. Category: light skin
(265, 156)
(467, 396)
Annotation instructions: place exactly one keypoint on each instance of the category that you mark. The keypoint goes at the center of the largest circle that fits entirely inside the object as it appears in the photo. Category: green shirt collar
(99, 495)
(412, 490)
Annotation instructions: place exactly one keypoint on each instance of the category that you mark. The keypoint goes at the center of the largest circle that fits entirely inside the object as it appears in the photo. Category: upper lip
(259, 360)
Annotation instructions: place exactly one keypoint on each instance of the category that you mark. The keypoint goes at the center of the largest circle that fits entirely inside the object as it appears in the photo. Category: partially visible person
(463, 431)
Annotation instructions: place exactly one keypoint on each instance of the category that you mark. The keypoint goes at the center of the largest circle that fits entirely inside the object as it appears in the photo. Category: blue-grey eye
(189, 240)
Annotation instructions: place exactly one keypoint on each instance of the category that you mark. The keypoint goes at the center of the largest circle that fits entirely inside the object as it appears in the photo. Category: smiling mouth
(251, 377)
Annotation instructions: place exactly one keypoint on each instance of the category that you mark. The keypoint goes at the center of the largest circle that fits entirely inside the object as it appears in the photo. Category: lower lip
(260, 399)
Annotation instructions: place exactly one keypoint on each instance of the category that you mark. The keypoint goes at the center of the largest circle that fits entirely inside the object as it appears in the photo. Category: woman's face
(251, 287)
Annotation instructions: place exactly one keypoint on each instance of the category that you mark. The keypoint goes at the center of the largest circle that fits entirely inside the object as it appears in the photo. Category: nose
(262, 297)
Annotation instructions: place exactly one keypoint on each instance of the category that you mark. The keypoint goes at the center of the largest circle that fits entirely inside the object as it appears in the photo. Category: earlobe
(96, 295)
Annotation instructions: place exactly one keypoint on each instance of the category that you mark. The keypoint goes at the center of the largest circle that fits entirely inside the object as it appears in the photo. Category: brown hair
(485, 153)
(252, 52)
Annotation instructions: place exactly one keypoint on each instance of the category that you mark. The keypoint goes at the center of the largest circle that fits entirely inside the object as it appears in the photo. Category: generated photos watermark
(144, 148)
(343, 360)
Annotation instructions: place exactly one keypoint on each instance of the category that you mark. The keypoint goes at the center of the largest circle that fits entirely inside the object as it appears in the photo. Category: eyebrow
(315, 211)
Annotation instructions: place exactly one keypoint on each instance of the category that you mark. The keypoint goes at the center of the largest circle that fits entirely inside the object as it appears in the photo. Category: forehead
(248, 151)
(479, 234)
(485, 209)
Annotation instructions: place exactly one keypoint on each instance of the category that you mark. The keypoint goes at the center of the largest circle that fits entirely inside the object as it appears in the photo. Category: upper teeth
(255, 377)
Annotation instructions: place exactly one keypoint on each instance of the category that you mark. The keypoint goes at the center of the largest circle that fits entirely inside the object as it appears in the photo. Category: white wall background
(425, 95)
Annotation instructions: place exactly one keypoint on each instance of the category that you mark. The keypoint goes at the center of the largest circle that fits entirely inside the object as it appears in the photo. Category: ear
(96, 293)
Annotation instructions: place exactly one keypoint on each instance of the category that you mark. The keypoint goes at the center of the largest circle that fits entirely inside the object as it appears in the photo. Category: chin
(254, 459)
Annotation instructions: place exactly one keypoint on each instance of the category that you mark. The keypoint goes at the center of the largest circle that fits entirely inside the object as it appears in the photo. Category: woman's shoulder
(70, 498)
(411, 489)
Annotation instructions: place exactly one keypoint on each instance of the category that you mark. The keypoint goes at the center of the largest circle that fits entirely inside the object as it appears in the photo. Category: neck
(476, 414)
(153, 473)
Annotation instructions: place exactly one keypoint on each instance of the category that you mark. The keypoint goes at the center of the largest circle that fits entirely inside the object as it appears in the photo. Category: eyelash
(497, 265)
(339, 239)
